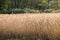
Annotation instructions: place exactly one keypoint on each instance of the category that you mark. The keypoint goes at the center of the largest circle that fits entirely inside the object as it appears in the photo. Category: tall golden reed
(37, 26)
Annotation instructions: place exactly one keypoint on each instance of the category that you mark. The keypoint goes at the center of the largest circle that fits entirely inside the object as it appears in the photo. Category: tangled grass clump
(30, 26)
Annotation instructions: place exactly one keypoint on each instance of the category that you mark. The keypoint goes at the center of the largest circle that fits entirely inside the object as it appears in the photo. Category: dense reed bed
(30, 26)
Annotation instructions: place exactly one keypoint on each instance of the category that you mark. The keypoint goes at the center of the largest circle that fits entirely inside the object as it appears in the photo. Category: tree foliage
(41, 5)
(3, 4)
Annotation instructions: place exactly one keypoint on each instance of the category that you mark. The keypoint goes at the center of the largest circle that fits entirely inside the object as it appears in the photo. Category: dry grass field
(30, 26)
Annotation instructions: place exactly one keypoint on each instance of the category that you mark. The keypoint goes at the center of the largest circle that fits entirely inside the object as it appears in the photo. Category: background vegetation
(29, 6)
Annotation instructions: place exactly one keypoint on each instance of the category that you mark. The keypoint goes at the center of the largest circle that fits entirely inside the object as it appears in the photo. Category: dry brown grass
(38, 26)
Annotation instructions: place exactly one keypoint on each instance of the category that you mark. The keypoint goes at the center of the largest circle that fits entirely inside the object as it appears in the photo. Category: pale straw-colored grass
(33, 26)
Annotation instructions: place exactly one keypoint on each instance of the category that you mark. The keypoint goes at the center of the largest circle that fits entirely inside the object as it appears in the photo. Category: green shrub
(48, 10)
(18, 11)
(27, 10)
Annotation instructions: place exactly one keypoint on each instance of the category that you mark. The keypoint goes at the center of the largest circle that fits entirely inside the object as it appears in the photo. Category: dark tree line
(32, 4)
